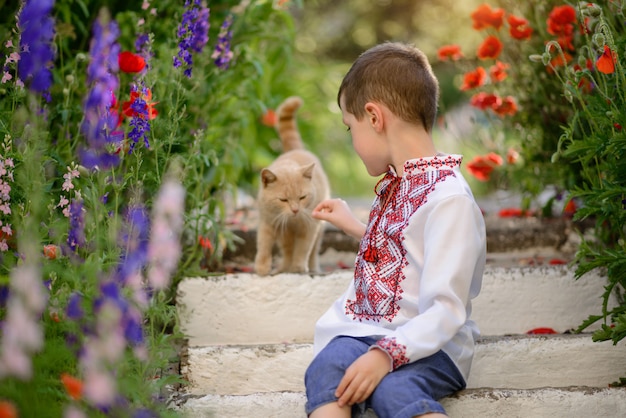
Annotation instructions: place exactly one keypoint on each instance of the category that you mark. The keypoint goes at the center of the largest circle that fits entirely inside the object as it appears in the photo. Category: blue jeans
(408, 391)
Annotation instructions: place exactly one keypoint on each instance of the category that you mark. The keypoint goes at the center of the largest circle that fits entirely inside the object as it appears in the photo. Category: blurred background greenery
(330, 35)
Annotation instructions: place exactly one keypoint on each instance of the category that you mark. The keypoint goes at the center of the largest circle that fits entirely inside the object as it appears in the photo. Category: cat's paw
(294, 269)
(262, 269)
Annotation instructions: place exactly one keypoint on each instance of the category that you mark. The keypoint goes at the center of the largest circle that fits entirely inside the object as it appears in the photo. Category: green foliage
(594, 140)
(207, 134)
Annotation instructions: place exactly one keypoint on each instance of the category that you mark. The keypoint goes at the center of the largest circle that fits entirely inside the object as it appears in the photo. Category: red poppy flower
(50, 251)
(543, 330)
(490, 48)
(606, 62)
(205, 243)
(474, 79)
(269, 118)
(506, 107)
(518, 28)
(570, 208)
(131, 63)
(481, 166)
(511, 213)
(128, 111)
(7, 410)
(484, 101)
(561, 19)
(484, 16)
(452, 52)
(73, 386)
(512, 156)
(498, 72)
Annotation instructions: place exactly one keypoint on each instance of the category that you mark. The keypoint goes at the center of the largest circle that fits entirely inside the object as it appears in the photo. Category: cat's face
(286, 193)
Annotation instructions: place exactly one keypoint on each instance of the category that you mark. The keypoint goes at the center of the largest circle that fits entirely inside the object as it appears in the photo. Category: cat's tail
(286, 124)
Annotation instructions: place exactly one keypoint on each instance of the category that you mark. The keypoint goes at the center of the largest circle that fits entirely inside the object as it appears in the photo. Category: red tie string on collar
(385, 189)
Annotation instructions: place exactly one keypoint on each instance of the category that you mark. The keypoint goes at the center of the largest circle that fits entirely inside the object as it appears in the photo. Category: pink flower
(99, 387)
(164, 249)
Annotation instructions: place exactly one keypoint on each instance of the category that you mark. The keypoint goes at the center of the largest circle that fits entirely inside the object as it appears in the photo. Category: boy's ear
(374, 115)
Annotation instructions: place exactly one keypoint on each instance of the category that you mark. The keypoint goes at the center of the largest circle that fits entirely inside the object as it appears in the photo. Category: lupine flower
(141, 112)
(222, 53)
(192, 34)
(9, 62)
(72, 173)
(22, 333)
(135, 254)
(6, 178)
(37, 30)
(76, 235)
(100, 122)
(71, 411)
(74, 310)
(164, 249)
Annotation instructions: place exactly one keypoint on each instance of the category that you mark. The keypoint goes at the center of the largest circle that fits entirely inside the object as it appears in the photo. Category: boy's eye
(302, 197)
(282, 200)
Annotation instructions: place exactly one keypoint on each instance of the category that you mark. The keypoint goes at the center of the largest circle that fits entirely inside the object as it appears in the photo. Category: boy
(400, 338)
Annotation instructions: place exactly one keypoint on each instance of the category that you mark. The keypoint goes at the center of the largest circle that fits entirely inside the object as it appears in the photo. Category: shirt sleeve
(453, 245)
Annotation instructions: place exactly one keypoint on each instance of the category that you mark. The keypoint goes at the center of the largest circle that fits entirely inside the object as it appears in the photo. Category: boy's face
(368, 145)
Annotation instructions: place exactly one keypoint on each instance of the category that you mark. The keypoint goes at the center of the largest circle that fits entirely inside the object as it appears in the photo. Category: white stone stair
(249, 343)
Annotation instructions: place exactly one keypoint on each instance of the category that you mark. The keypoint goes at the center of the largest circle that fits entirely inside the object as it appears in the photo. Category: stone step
(248, 309)
(566, 402)
(517, 362)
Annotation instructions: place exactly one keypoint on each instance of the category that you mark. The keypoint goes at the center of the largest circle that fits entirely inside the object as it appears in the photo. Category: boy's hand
(338, 213)
(362, 377)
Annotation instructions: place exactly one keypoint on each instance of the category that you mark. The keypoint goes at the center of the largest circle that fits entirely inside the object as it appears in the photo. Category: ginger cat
(290, 188)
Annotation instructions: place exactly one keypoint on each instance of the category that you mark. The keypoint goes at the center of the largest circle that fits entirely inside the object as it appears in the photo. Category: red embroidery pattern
(396, 350)
(378, 280)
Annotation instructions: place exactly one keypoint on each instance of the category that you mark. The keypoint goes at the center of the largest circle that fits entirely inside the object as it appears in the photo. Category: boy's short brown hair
(396, 75)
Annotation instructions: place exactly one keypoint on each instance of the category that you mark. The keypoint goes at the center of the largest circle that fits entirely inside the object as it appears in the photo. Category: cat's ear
(267, 176)
(307, 171)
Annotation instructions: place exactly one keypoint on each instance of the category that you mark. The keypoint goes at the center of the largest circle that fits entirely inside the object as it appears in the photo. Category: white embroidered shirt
(419, 264)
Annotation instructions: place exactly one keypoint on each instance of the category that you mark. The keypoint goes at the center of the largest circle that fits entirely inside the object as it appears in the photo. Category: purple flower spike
(36, 53)
(193, 34)
(100, 122)
(74, 310)
(136, 243)
(222, 53)
(139, 122)
(76, 235)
